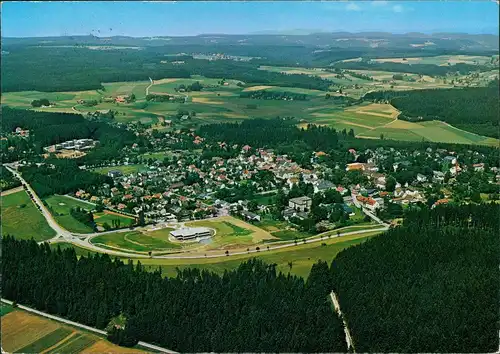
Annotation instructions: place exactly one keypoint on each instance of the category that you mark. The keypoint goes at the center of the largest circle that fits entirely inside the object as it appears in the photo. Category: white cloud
(353, 7)
(379, 3)
(397, 8)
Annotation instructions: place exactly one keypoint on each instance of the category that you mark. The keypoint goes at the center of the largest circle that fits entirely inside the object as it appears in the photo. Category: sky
(178, 18)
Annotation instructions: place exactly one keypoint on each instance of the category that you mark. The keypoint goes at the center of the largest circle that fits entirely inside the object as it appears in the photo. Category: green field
(302, 257)
(123, 169)
(105, 217)
(435, 131)
(60, 206)
(137, 241)
(216, 103)
(21, 218)
(5, 309)
(46, 341)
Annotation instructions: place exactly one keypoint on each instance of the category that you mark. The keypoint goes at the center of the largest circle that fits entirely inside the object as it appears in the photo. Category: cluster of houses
(169, 192)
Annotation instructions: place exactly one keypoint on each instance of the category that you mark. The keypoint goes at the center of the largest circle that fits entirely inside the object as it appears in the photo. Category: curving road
(84, 240)
(60, 231)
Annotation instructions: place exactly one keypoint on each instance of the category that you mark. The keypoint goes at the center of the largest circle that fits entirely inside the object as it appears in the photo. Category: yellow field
(257, 88)
(28, 332)
(205, 100)
(20, 329)
(376, 109)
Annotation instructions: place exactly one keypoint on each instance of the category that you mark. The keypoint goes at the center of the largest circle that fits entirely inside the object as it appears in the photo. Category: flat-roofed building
(300, 203)
(189, 233)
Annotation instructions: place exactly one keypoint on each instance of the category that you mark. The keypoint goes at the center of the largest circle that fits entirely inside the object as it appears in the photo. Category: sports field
(60, 206)
(21, 218)
(23, 332)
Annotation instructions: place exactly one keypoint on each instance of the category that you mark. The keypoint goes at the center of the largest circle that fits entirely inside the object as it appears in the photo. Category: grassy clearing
(137, 241)
(220, 224)
(60, 207)
(108, 217)
(440, 60)
(123, 169)
(290, 235)
(302, 256)
(22, 219)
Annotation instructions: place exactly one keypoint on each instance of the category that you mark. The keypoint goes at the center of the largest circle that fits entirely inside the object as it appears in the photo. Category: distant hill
(305, 37)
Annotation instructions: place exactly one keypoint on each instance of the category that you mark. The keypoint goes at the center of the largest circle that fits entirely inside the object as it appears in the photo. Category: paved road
(88, 328)
(85, 243)
(84, 240)
(348, 337)
(61, 232)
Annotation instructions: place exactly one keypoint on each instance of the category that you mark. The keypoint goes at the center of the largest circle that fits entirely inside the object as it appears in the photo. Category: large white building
(189, 233)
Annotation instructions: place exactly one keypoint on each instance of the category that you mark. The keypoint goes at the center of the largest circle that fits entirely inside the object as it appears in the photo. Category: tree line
(252, 308)
(273, 95)
(430, 285)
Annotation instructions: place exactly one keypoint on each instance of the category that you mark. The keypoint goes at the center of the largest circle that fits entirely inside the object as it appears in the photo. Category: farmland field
(221, 103)
(21, 219)
(23, 332)
(60, 207)
(435, 131)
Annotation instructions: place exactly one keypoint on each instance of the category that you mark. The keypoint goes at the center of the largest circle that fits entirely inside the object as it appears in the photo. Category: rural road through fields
(88, 328)
(147, 88)
(12, 190)
(45, 212)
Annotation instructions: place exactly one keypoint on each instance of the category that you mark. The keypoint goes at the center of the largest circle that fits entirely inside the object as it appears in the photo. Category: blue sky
(138, 19)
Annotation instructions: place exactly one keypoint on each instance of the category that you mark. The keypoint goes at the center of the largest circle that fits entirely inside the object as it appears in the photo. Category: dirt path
(12, 191)
(348, 337)
(147, 88)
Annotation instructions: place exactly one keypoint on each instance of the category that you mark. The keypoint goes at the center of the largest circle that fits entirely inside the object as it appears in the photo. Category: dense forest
(47, 128)
(7, 179)
(430, 285)
(421, 69)
(257, 308)
(77, 69)
(474, 109)
(273, 95)
(61, 176)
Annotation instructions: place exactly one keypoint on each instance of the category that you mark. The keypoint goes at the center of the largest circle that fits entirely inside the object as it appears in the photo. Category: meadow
(60, 206)
(21, 219)
(23, 332)
(217, 103)
(302, 257)
(108, 216)
(137, 241)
